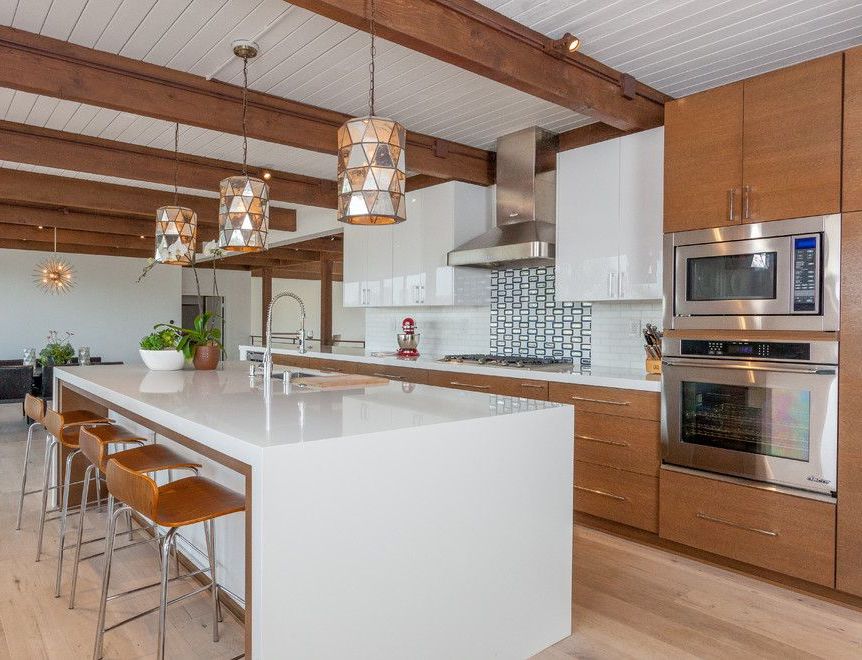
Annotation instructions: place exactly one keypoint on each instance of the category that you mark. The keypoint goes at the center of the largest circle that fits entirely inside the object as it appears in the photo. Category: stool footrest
(157, 584)
(156, 608)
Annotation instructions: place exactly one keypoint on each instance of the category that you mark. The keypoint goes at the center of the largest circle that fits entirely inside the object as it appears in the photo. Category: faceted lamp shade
(176, 235)
(371, 172)
(243, 214)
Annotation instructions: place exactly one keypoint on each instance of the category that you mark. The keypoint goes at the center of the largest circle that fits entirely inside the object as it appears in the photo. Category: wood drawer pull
(455, 383)
(535, 386)
(602, 493)
(329, 369)
(722, 521)
(604, 442)
(389, 376)
(605, 401)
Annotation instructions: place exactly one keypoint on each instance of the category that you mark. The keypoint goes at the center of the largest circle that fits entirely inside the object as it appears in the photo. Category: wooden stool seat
(95, 442)
(193, 500)
(66, 426)
(150, 458)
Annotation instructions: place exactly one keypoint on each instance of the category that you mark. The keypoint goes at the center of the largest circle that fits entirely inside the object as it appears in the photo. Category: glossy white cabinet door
(355, 266)
(378, 280)
(407, 253)
(641, 209)
(588, 222)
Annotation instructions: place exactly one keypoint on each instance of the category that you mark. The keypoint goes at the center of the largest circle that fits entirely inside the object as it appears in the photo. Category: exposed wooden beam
(589, 134)
(306, 273)
(17, 244)
(326, 301)
(29, 188)
(471, 36)
(74, 237)
(332, 243)
(42, 65)
(42, 146)
(63, 219)
(419, 181)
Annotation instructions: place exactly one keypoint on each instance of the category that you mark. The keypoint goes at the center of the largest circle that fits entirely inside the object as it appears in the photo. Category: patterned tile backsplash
(527, 320)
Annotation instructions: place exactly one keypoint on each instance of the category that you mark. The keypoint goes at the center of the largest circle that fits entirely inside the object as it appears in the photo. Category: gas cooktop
(518, 361)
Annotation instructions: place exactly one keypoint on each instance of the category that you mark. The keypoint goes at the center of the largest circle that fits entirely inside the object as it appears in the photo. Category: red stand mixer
(408, 339)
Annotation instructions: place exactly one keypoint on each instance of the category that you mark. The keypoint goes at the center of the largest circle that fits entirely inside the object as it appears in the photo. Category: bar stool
(61, 433)
(34, 408)
(177, 504)
(95, 443)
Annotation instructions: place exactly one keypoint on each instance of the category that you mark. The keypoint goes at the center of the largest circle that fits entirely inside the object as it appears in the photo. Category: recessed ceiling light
(267, 176)
(41, 227)
(142, 236)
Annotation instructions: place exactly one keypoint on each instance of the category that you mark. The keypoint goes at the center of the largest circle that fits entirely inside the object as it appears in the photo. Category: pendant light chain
(371, 64)
(55, 240)
(176, 162)
(244, 113)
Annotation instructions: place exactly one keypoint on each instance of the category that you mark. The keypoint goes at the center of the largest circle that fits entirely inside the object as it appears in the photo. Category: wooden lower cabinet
(405, 374)
(290, 360)
(622, 442)
(619, 495)
(334, 366)
(507, 386)
(780, 532)
(608, 400)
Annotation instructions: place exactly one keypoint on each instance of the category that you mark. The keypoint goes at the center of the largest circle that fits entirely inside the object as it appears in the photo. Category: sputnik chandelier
(54, 276)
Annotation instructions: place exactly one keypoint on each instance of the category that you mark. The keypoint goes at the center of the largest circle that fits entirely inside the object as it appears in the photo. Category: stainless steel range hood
(526, 206)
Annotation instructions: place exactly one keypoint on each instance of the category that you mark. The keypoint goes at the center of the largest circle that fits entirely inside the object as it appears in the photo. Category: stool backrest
(133, 488)
(54, 423)
(91, 447)
(34, 408)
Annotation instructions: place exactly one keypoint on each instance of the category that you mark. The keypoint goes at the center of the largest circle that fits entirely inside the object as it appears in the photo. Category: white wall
(442, 330)
(348, 322)
(235, 287)
(107, 310)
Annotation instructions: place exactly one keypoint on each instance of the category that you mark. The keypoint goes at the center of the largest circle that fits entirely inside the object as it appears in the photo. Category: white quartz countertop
(226, 404)
(630, 379)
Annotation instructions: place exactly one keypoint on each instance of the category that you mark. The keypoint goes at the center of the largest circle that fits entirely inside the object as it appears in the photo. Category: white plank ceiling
(677, 46)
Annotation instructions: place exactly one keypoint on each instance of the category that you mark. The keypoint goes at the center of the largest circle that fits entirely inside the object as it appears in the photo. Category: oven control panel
(806, 274)
(758, 350)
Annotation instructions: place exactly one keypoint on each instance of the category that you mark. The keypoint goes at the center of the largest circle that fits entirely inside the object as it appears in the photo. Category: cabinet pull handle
(604, 442)
(610, 285)
(722, 521)
(622, 286)
(535, 386)
(603, 493)
(389, 376)
(731, 199)
(455, 383)
(746, 202)
(605, 401)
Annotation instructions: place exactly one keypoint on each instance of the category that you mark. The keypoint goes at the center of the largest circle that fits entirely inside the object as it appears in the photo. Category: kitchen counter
(380, 518)
(630, 379)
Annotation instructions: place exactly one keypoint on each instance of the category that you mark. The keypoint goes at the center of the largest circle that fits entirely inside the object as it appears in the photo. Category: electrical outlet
(635, 328)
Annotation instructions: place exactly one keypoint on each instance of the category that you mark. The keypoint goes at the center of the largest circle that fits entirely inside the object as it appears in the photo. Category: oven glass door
(751, 277)
(770, 422)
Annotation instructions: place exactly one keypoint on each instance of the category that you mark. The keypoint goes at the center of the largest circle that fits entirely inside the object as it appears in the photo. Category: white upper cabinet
(609, 219)
(405, 264)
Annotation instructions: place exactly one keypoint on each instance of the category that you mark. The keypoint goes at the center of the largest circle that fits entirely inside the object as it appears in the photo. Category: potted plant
(202, 343)
(160, 352)
(58, 351)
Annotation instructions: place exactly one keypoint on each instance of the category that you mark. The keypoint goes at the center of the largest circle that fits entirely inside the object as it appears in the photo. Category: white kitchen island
(386, 521)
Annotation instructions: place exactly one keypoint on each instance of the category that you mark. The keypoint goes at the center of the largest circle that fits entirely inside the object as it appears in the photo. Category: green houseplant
(201, 344)
(58, 351)
(159, 351)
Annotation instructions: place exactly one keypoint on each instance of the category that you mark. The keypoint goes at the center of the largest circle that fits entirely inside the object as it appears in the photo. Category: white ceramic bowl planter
(168, 360)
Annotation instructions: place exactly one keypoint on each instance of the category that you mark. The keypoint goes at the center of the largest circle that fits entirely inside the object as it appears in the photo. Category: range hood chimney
(526, 206)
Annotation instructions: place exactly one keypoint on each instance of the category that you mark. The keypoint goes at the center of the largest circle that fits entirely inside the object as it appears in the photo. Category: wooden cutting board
(346, 381)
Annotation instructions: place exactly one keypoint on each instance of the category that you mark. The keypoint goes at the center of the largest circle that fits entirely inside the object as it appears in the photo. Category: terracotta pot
(207, 357)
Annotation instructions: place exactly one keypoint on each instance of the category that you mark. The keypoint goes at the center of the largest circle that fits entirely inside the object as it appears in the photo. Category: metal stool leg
(111, 529)
(64, 514)
(209, 533)
(84, 497)
(24, 473)
(50, 457)
(167, 542)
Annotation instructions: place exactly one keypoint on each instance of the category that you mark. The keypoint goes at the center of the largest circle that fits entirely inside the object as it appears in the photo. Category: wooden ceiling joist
(42, 65)
(63, 219)
(76, 237)
(69, 151)
(46, 190)
(41, 246)
(473, 37)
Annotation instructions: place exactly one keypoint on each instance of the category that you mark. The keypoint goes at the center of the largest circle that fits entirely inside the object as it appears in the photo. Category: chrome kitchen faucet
(267, 355)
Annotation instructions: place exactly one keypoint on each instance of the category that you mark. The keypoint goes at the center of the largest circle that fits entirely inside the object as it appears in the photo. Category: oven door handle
(784, 369)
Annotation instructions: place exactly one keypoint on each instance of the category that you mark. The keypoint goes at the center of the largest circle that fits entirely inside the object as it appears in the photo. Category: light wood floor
(630, 600)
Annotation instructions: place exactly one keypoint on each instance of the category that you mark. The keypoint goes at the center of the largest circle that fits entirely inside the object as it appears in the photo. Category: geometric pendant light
(243, 200)
(371, 172)
(176, 226)
(54, 275)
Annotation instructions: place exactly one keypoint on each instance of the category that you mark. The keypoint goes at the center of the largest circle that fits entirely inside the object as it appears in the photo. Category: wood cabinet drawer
(621, 442)
(334, 366)
(625, 497)
(784, 533)
(290, 360)
(608, 400)
(522, 387)
(406, 374)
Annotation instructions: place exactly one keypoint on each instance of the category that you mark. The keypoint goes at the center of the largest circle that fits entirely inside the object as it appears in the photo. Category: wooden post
(325, 300)
(265, 299)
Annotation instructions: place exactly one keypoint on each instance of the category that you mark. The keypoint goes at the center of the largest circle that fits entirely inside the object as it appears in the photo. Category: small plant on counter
(204, 335)
(58, 351)
(162, 340)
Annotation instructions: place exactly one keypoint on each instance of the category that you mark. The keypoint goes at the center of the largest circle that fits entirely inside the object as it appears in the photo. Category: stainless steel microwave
(780, 275)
